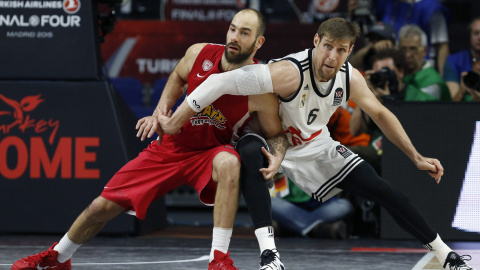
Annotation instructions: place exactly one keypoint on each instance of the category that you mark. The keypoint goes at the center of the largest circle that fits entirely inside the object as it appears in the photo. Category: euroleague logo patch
(207, 65)
(342, 150)
(338, 96)
(71, 6)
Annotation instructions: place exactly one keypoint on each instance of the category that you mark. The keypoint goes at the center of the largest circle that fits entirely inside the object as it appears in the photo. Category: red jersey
(220, 122)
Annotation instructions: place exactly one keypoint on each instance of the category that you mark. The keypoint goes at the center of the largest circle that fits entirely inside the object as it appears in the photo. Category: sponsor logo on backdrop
(152, 66)
(19, 25)
(29, 139)
(71, 6)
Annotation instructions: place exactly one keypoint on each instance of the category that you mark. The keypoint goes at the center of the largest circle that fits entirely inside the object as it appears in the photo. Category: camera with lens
(381, 77)
(472, 80)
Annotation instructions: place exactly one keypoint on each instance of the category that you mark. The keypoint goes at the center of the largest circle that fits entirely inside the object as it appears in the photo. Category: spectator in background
(380, 36)
(296, 212)
(423, 82)
(458, 64)
(430, 15)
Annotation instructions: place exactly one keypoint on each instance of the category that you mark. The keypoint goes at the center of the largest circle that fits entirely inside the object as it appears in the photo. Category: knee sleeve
(252, 184)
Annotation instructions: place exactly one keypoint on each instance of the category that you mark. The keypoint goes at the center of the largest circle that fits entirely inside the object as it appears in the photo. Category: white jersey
(314, 161)
(305, 113)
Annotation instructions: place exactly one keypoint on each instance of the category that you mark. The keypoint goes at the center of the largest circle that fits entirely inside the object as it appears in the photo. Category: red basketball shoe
(42, 260)
(221, 261)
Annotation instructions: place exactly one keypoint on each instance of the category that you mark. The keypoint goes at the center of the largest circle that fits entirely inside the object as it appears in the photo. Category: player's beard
(326, 77)
(241, 56)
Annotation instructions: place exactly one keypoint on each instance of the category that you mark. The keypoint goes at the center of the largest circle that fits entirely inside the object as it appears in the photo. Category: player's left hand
(432, 166)
(273, 165)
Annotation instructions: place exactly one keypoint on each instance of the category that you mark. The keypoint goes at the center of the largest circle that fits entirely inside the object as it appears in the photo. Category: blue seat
(157, 93)
(130, 89)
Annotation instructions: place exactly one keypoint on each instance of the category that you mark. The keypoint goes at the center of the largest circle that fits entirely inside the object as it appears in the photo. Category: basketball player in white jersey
(311, 85)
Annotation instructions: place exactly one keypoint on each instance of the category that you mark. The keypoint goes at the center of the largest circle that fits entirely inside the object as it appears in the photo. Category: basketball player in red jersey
(201, 155)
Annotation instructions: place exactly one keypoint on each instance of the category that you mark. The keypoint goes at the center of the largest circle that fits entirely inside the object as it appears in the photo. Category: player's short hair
(411, 30)
(339, 29)
(261, 21)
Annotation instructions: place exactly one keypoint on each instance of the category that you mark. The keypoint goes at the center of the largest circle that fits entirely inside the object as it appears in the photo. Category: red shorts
(160, 169)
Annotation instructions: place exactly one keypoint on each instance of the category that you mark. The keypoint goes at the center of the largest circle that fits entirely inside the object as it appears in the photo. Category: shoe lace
(226, 263)
(267, 257)
(460, 264)
(40, 257)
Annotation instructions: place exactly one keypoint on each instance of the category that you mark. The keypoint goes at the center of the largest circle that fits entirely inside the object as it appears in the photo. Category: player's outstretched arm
(390, 125)
(280, 76)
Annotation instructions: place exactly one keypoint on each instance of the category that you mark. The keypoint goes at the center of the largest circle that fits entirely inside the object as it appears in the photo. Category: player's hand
(273, 165)
(147, 126)
(164, 120)
(432, 166)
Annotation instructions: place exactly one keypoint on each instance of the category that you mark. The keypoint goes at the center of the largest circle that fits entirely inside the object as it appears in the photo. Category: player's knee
(249, 148)
(226, 168)
(102, 210)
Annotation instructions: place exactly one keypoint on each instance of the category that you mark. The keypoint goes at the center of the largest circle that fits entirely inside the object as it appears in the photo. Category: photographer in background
(380, 36)
(385, 81)
(462, 69)
(422, 81)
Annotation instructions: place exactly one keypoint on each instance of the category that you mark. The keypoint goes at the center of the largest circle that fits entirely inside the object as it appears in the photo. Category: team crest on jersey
(209, 116)
(342, 150)
(338, 96)
(207, 65)
(302, 102)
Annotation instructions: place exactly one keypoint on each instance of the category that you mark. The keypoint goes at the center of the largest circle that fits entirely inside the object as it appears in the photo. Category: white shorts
(318, 167)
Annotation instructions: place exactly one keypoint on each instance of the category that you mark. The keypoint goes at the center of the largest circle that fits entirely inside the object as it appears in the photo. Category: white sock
(220, 240)
(439, 249)
(65, 249)
(266, 239)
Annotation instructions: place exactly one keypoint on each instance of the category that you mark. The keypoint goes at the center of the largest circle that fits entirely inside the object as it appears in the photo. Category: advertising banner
(48, 40)
(60, 143)
(450, 133)
(149, 50)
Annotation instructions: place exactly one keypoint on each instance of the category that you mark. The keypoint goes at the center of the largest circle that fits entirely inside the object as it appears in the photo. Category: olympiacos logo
(71, 6)
(23, 148)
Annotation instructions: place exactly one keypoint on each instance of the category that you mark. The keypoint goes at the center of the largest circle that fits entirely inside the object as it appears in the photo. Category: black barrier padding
(443, 131)
(37, 201)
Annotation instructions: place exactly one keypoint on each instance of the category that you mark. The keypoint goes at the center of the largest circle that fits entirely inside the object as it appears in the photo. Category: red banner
(149, 50)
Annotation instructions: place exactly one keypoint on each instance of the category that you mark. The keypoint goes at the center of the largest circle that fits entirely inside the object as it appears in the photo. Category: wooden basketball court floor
(187, 247)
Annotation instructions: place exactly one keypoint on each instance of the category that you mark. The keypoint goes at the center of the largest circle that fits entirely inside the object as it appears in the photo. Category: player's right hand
(147, 126)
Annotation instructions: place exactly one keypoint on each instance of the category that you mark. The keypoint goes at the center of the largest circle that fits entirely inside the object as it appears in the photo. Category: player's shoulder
(195, 49)
(298, 56)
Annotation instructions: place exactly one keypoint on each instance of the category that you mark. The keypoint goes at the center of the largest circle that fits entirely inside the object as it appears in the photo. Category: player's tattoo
(278, 144)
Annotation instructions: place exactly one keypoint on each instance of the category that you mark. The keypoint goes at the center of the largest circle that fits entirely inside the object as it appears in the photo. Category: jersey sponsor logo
(342, 150)
(338, 97)
(209, 116)
(302, 102)
(297, 138)
(207, 65)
